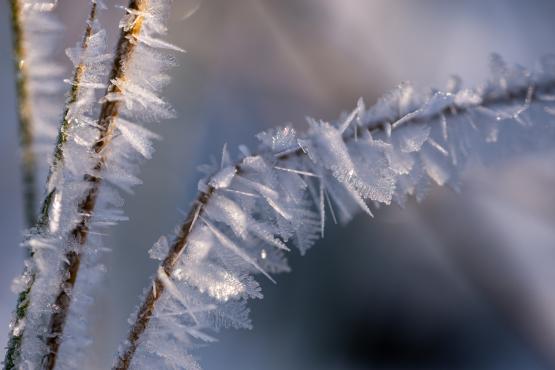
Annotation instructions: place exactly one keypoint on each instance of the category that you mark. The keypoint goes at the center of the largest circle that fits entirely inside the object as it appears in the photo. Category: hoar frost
(145, 77)
(261, 205)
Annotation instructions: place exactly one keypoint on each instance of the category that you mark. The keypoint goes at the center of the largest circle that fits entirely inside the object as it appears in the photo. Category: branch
(65, 126)
(149, 303)
(384, 120)
(28, 164)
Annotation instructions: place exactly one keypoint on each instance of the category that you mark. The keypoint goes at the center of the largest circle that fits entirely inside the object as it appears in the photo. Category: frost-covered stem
(65, 125)
(79, 234)
(15, 340)
(147, 308)
(155, 292)
(28, 161)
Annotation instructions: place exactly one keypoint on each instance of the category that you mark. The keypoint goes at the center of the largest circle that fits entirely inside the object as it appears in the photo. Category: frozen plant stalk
(99, 146)
(246, 210)
(25, 118)
(34, 30)
(37, 76)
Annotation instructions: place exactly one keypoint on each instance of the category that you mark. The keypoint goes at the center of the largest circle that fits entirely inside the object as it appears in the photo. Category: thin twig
(16, 334)
(65, 125)
(78, 236)
(28, 167)
(179, 244)
(25, 116)
(149, 303)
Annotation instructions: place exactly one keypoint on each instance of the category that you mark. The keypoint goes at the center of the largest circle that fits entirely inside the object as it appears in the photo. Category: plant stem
(179, 244)
(28, 168)
(25, 116)
(149, 303)
(79, 234)
(65, 126)
(16, 334)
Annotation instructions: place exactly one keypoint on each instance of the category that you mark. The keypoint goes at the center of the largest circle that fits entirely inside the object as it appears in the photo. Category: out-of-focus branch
(25, 117)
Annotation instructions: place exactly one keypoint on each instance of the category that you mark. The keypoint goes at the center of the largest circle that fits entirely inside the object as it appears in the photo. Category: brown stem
(79, 234)
(180, 242)
(16, 334)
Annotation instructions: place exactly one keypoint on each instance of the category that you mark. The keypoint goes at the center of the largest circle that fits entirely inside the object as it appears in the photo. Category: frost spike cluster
(248, 212)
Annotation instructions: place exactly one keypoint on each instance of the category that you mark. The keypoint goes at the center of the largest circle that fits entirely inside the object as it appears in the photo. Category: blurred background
(460, 281)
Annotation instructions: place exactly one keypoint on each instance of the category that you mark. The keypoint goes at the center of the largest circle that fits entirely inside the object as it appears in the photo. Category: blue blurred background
(461, 281)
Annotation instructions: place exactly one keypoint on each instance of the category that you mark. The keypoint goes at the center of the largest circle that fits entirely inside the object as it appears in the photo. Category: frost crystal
(160, 249)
